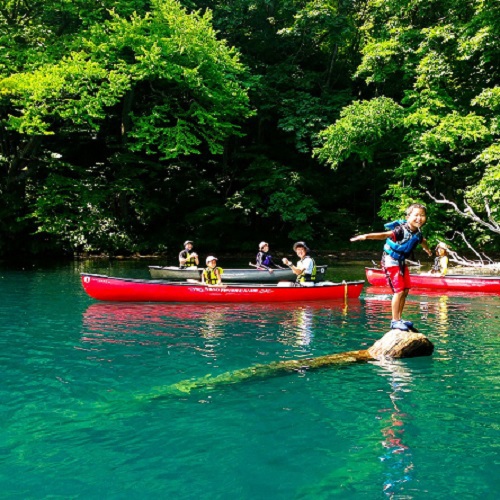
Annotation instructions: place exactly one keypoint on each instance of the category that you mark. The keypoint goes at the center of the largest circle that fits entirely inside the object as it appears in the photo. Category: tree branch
(469, 213)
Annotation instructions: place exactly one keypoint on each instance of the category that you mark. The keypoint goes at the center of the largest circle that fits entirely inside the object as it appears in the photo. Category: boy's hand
(360, 237)
(429, 252)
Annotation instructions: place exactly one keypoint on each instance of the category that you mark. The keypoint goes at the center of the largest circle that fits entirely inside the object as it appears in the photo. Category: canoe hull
(483, 284)
(232, 275)
(133, 290)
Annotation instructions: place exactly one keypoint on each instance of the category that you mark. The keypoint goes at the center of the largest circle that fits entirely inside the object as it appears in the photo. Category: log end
(401, 344)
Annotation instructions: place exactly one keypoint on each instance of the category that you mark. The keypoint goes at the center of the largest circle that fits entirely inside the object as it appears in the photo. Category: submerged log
(394, 344)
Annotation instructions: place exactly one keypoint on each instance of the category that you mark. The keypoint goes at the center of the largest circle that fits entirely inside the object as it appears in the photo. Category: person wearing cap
(305, 268)
(264, 259)
(441, 261)
(212, 275)
(187, 257)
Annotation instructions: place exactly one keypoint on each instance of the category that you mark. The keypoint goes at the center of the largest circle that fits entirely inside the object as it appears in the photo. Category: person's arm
(373, 236)
(296, 270)
(203, 277)
(182, 258)
(196, 259)
(258, 260)
(425, 246)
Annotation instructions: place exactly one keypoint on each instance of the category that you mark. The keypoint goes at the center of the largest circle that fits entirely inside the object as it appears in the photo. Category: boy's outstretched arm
(373, 236)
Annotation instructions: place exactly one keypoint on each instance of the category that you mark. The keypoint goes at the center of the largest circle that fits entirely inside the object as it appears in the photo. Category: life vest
(302, 278)
(190, 261)
(210, 276)
(400, 250)
(437, 264)
(264, 259)
(440, 264)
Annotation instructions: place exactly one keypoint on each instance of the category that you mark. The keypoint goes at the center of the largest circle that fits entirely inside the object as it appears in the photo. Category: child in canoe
(441, 261)
(264, 259)
(401, 238)
(212, 275)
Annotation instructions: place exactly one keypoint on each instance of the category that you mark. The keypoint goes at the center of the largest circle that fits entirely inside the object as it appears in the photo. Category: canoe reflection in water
(298, 328)
(148, 323)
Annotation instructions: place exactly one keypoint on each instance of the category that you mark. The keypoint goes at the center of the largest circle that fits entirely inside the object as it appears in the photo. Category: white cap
(262, 244)
(210, 258)
(442, 245)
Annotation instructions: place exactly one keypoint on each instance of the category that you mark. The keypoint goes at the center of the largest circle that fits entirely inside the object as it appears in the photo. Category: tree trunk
(394, 344)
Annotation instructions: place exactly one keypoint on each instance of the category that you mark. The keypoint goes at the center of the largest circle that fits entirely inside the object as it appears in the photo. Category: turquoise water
(87, 412)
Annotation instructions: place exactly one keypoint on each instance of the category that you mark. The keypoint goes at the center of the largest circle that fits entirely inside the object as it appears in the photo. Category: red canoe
(483, 284)
(135, 290)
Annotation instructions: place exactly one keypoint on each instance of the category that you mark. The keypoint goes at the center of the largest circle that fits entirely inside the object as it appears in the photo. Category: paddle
(266, 268)
(260, 268)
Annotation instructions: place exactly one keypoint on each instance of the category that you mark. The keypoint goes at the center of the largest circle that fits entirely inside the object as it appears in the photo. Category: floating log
(394, 344)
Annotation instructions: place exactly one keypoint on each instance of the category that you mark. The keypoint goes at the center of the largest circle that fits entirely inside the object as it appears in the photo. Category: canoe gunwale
(447, 276)
(454, 282)
(117, 289)
(232, 275)
(230, 285)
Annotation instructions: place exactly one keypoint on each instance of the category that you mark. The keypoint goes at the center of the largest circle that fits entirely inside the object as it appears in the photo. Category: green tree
(301, 56)
(133, 92)
(435, 66)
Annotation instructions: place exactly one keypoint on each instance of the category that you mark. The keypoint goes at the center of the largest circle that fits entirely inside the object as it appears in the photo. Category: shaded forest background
(129, 126)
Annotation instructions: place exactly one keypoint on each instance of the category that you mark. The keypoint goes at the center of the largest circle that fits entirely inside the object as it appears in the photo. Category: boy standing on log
(402, 236)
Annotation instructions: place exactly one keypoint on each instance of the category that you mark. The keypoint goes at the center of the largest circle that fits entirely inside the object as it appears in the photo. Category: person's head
(442, 249)
(188, 245)
(416, 215)
(211, 261)
(264, 246)
(301, 249)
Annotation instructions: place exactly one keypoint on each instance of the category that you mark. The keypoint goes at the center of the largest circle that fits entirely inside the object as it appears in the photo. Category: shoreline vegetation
(125, 124)
(170, 259)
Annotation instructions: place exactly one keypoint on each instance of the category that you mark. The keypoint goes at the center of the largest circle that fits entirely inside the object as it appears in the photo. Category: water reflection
(298, 328)
(421, 306)
(397, 455)
(441, 311)
(147, 323)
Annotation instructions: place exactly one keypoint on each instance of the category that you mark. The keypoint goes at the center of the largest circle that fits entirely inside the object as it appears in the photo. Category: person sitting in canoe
(188, 258)
(441, 261)
(305, 268)
(212, 275)
(264, 259)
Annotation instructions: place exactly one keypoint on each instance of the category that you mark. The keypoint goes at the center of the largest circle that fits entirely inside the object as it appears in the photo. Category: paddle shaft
(263, 267)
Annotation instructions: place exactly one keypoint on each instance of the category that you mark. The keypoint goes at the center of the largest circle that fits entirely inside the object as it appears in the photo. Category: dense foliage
(431, 122)
(130, 125)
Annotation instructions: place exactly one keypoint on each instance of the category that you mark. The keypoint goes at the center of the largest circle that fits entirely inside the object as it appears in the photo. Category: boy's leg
(403, 302)
(398, 304)
(400, 284)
